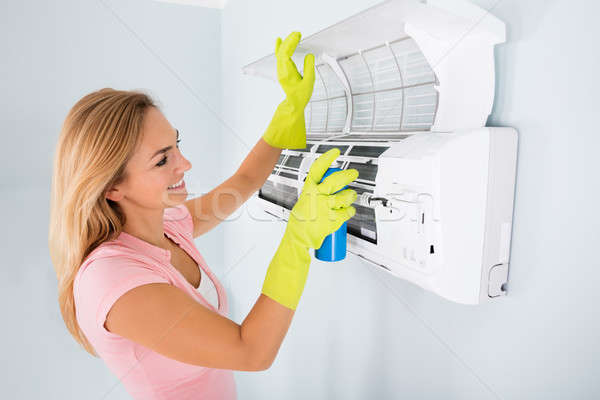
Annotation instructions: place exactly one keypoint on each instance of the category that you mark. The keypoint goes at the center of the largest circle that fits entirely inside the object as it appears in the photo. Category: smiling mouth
(178, 185)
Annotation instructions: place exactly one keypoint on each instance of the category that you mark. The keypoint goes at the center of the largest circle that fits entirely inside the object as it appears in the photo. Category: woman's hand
(319, 210)
(287, 129)
(298, 89)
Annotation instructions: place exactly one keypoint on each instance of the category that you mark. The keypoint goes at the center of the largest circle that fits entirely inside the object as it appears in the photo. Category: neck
(148, 226)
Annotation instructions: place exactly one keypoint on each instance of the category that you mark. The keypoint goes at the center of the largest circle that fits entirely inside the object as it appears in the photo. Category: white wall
(359, 334)
(53, 53)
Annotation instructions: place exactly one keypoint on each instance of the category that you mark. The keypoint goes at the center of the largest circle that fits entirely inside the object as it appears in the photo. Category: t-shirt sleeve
(180, 218)
(102, 282)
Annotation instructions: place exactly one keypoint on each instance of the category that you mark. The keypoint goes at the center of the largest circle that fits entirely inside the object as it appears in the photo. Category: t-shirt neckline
(164, 255)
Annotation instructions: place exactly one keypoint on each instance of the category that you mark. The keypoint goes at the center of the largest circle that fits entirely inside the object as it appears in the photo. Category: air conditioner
(404, 89)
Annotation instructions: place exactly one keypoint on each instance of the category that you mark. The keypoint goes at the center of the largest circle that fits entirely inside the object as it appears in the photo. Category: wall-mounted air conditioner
(404, 89)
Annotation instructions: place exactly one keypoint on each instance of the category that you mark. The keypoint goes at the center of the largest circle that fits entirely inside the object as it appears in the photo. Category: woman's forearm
(259, 163)
(264, 329)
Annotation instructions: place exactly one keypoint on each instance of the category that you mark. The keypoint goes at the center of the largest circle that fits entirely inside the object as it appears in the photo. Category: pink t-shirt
(119, 265)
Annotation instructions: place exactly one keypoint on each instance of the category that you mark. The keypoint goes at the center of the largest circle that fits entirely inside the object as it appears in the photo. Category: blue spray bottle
(334, 245)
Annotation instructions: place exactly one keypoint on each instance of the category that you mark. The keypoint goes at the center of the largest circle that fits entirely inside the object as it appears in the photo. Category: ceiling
(198, 3)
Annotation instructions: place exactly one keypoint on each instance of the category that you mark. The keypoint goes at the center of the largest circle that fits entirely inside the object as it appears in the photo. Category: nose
(184, 164)
(187, 163)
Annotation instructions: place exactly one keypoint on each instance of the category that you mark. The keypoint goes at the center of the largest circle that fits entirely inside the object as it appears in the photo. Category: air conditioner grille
(367, 151)
(371, 137)
(326, 147)
(293, 161)
(327, 109)
(288, 175)
(366, 172)
(363, 224)
(279, 193)
(392, 88)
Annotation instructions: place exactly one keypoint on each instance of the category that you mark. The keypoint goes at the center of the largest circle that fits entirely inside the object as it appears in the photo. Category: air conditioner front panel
(403, 65)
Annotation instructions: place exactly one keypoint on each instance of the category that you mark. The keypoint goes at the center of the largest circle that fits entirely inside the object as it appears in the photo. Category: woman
(133, 288)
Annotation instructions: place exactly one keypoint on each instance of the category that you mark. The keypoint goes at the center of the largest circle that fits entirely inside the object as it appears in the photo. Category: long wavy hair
(97, 139)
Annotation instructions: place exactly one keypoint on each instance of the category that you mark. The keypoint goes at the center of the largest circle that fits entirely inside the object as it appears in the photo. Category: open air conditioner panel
(402, 65)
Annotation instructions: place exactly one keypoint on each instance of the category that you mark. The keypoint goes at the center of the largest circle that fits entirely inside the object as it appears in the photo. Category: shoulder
(103, 277)
(106, 269)
(110, 264)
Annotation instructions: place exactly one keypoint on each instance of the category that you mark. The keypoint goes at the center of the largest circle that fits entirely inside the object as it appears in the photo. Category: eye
(162, 162)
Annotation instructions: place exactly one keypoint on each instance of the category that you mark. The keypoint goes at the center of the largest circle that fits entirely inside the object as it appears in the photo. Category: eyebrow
(164, 150)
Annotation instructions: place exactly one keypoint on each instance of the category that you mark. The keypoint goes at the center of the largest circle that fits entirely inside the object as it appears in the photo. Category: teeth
(175, 185)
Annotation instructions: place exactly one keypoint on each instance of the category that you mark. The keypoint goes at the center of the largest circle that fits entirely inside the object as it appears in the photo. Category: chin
(174, 199)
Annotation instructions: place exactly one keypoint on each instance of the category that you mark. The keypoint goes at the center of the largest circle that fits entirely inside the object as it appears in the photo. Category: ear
(114, 194)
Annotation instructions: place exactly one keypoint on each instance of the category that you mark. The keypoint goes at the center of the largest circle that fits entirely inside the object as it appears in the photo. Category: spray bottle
(334, 245)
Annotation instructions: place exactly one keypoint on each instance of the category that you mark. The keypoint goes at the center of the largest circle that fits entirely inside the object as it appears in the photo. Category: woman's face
(156, 165)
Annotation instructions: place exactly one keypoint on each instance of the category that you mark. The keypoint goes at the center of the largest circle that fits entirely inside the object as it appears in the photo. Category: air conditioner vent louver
(288, 175)
(366, 172)
(367, 151)
(326, 147)
(372, 137)
(293, 161)
(279, 193)
(305, 150)
(363, 225)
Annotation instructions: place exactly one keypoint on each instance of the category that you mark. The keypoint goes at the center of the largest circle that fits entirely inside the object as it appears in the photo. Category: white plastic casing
(452, 201)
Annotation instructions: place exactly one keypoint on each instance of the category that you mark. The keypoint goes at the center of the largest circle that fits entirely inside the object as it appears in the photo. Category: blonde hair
(97, 139)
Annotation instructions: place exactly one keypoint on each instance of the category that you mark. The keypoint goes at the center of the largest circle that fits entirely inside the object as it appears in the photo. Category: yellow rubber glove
(316, 214)
(287, 129)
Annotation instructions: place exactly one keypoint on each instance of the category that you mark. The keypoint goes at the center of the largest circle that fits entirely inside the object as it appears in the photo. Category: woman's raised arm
(215, 206)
